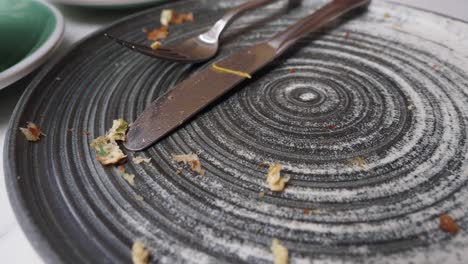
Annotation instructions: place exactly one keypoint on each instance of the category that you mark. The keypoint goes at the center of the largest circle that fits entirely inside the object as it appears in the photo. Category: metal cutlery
(193, 94)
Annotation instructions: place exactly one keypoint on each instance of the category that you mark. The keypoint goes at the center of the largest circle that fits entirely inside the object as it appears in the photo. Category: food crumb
(275, 181)
(280, 253)
(387, 15)
(130, 178)
(118, 130)
(155, 45)
(219, 69)
(447, 224)
(169, 16)
(411, 107)
(331, 127)
(306, 211)
(261, 195)
(107, 152)
(360, 162)
(157, 34)
(178, 171)
(192, 160)
(139, 160)
(292, 70)
(140, 255)
(139, 198)
(32, 132)
(263, 165)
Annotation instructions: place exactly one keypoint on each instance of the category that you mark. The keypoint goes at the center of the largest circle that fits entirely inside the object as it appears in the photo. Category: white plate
(38, 57)
(106, 3)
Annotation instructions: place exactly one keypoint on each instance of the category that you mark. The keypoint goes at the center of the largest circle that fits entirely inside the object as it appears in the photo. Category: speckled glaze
(390, 88)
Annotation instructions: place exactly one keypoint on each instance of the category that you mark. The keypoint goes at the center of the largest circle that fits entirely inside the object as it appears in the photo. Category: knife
(193, 94)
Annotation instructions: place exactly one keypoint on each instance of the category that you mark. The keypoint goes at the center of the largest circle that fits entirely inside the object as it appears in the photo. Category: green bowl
(31, 30)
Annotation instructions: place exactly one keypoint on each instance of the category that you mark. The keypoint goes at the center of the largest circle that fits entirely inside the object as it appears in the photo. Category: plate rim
(35, 237)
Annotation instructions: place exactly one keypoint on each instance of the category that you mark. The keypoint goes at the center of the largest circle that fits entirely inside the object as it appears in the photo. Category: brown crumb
(155, 45)
(192, 160)
(306, 211)
(387, 15)
(178, 171)
(140, 255)
(169, 16)
(447, 224)
(157, 34)
(331, 127)
(263, 165)
(292, 70)
(32, 132)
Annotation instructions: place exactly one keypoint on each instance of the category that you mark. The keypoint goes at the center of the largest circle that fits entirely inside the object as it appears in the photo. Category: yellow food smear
(219, 69)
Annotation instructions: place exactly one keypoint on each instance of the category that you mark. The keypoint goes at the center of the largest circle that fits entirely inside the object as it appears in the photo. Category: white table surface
(14, 247)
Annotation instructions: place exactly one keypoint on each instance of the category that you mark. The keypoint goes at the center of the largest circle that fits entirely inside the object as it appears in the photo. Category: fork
(201, 47)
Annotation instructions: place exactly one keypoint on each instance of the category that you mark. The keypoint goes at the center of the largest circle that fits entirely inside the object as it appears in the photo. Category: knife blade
(193, 94)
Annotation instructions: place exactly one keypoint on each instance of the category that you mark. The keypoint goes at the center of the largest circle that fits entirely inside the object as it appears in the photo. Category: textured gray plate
(390, 89)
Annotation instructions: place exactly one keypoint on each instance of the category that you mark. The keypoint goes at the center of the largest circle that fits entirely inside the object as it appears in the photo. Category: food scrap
(280, 253)
(387, 15)
(331, 126)
(275, 181)
(292, 70)
(447, 224)
(169, 16)
(360, 162)
(130, 178)
(140, 255)
(155, 45)
(31, 132)
(107, 150)
(190, 159)
(261, 195)
(118, 130)
(157, 34)
(219, 69)
(306, 211)
(139, 160)
(263, 165)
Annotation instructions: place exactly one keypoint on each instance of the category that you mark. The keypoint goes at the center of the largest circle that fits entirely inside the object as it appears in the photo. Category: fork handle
(314, 22)
(230, 15)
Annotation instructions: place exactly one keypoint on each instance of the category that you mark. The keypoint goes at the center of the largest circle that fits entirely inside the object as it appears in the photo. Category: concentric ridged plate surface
(389, 88)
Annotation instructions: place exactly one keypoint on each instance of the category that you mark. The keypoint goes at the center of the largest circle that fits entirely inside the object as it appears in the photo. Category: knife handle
(314, 22)
(230, 15)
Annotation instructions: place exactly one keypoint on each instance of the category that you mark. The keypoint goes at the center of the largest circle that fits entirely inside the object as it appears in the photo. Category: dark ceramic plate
(369, 121)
